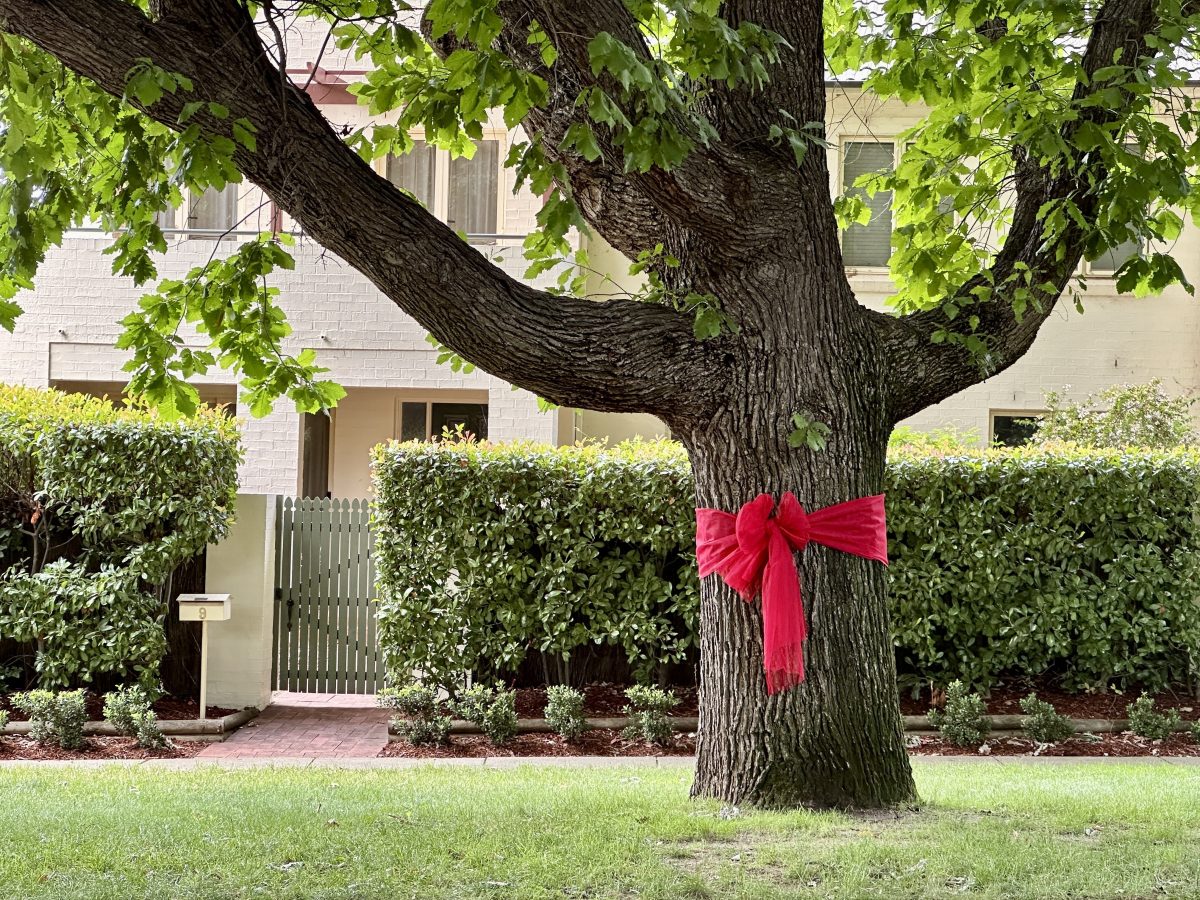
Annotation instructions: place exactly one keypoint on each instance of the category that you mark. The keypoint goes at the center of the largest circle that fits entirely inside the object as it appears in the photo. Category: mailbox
(203, 607)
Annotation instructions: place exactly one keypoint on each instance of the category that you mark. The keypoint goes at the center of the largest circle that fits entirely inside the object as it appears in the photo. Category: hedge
(486, 553)
(1077, 564)
(98, 506)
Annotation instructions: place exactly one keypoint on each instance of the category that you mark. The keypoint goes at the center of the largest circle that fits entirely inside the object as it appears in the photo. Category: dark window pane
(471, 416)
(315, 473)
(1013, 431)
(1115, 257)
(870, 244)
(412, 422)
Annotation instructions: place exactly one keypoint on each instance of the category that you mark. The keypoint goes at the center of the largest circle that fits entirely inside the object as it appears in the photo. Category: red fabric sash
(752, 552)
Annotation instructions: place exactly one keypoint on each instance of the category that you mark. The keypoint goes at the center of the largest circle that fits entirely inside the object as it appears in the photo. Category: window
(463, 193)
(424, 421)
(1115, 257)
(314, 455)
(1014, 429)
(211, 211)
(870, 244)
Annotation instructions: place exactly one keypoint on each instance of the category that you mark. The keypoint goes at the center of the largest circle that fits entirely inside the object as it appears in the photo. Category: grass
(989, 830)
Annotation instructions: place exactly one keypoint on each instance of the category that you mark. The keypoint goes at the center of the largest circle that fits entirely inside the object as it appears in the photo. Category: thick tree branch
(611, 356)
(797, 85)
(632, 210)
(925, 373)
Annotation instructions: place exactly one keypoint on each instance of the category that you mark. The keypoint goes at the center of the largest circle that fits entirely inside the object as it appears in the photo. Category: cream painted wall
(1119, 339)
(369, 416)
(617, 427)
(243, 565)
(71, 321)
(610, 278)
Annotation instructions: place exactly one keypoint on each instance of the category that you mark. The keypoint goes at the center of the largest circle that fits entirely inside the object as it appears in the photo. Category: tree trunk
(835, 741)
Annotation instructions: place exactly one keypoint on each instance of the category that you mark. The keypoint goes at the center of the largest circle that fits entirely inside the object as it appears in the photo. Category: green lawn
(986, 831)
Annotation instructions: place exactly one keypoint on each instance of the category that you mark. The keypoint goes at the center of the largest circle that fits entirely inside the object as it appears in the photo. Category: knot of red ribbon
(752, 552)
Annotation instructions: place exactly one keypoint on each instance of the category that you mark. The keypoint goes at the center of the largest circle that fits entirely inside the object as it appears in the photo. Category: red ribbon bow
(752, 552)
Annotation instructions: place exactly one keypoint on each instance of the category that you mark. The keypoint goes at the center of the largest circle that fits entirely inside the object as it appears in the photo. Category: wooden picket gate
(325, 631)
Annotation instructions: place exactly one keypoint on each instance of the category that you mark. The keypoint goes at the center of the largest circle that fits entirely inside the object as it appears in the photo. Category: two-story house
(394, 387)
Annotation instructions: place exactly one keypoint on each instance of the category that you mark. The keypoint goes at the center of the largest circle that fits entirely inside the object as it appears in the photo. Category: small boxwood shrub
(420, 719)
(1077, 563)
(128, 711)
(98, 507)
(564, 711)
(964, 721)
(1194, 731)
(648, 707)
(3, 719)
(54, 717)
(495, 712)
(1043, 723)
(1146, 721)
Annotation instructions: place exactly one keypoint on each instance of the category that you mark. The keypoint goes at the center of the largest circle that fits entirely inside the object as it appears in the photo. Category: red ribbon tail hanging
(784, 628)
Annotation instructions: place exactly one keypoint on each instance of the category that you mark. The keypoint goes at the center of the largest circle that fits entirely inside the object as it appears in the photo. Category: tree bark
(836, 740)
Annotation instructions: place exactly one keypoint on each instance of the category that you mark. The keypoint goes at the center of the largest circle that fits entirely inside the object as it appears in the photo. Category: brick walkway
(308, 726)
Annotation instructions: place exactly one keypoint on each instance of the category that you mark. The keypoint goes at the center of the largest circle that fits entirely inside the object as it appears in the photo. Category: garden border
(199, 728)
(1001, 724)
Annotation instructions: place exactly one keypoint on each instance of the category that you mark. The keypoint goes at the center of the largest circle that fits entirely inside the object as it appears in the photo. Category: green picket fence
(325, 631)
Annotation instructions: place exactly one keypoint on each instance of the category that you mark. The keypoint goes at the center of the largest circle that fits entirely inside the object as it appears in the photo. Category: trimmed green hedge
(98, 506)
(1081, 564)
(486, 553)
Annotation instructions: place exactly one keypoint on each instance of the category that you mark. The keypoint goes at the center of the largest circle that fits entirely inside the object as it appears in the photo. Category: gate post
(244, 565)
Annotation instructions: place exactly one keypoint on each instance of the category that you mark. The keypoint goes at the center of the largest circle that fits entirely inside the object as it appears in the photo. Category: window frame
(441, 180)
(993, 414)
(190, 197)
(1088, 266)
(431, 398)
(1089, 270)
(856, 138)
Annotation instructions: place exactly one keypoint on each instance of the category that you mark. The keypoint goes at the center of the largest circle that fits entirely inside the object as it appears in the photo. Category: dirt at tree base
(603, 699)
(610, 743)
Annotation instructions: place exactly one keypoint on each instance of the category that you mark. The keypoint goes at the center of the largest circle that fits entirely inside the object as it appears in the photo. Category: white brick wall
(70, 325)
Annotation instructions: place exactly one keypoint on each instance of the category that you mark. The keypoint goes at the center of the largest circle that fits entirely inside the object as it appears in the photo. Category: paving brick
(318, 726)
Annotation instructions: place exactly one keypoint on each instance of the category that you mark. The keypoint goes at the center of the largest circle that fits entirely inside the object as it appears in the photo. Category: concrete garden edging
(915, 724)
(183, 728)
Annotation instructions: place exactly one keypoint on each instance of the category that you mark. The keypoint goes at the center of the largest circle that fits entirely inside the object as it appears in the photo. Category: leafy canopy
(1003, 84)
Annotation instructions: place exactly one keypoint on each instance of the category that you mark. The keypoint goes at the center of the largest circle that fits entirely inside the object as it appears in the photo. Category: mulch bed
(1004, 700)
(16, 747)
(603, 700)
(600, 700)
(608, 742)
(1124, 744)
(598, 742)
(165, 707)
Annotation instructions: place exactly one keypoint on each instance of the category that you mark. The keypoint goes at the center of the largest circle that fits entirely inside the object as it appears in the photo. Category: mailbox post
(203, 608)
